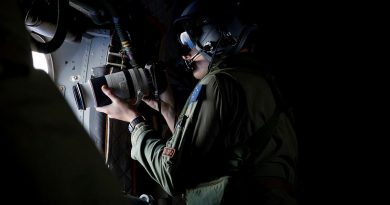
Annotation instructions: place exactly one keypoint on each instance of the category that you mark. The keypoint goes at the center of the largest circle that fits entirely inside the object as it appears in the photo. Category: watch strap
(135, 122)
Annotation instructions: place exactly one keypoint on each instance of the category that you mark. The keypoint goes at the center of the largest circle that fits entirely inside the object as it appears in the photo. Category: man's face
(194, 59)
(199, 63)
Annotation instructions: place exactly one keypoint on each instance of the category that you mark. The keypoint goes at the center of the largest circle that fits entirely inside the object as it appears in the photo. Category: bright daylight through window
(40, 61)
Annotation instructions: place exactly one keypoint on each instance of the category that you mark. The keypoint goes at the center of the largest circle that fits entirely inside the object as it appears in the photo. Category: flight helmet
(213, 28)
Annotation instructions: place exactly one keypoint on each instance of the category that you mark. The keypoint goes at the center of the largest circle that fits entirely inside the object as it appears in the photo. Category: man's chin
(197, 74)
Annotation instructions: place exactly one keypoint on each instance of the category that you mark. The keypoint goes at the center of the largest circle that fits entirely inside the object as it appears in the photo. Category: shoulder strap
(250, 154)
(245, 156)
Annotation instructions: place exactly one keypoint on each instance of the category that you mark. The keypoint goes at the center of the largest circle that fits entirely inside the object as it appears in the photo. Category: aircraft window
(40, 62)
(43, 62)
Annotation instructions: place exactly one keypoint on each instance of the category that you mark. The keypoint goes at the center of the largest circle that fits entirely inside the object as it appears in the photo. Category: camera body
(128, 84)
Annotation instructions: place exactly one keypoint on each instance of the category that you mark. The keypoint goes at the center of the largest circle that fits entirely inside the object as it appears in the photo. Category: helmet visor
(186, 43)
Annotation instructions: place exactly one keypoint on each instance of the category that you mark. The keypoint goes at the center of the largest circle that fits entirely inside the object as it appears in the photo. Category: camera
(128, 84)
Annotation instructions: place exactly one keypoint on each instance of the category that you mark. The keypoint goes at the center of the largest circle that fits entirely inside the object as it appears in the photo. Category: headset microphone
(189, 63)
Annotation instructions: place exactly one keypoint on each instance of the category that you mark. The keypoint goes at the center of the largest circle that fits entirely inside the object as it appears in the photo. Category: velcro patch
(196, 92)
(169, 152)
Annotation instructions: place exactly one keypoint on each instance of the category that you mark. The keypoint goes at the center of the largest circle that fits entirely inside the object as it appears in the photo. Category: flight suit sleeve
(173, 163)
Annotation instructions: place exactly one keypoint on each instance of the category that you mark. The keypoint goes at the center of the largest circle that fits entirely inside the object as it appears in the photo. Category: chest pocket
(189, 108)
(182, 124)
(178, 141)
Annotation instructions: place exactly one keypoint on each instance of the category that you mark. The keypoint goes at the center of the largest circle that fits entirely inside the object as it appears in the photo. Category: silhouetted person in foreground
(47, 157)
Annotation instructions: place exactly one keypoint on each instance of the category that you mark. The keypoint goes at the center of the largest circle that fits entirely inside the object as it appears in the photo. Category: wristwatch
(135, 122)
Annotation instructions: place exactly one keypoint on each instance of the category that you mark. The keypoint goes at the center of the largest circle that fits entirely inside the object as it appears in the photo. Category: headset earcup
(245, 32)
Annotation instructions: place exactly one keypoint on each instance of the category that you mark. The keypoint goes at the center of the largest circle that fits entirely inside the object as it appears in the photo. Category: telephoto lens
(130, 84)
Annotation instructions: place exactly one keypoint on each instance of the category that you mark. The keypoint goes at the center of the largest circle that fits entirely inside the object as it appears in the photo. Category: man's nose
(187, 56)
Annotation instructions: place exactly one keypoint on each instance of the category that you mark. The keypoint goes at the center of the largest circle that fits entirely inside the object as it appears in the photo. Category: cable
(61, 30)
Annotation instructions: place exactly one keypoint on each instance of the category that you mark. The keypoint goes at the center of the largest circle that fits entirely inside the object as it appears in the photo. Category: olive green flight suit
(222, 114)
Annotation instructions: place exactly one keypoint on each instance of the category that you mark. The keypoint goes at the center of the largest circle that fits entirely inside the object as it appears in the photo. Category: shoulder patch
(196, 92)
(168, 152)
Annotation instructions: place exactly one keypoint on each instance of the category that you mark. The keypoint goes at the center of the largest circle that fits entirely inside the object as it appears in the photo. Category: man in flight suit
(232, 142)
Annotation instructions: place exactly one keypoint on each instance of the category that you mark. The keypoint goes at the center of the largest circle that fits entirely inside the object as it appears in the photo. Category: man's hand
(118, 109)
